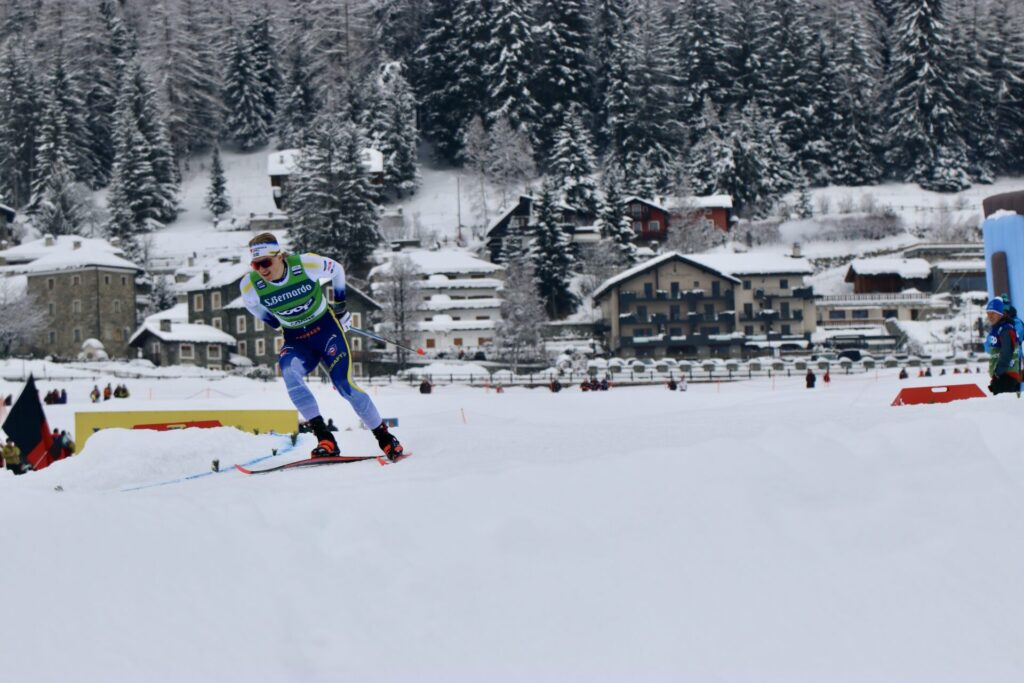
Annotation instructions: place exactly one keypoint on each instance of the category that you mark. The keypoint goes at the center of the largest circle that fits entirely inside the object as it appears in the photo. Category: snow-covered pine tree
(398, 28)
(572, 162)
(449, 66)
(643, 126)
(508, 73)
(609, 27)
(187, 70)
(790, 82)
(925, 142)
(398, 293)
(476, 155)
(746, 44)
(331, 200)
(518, 332)
(338, 41)
(263, 48)
(162, 295)
(700, 45)
(150, 121)
(1004, 52)
(247, 113)
(399, 138)
(63, 207)
(299, 105)
(563, 77)
(856, 160)
(61, 141)
(132, 185)
(977, 94)
(217, 199)
(614, 225)
(20, 110)
(24, 320)
(710, 159)
(551, 253)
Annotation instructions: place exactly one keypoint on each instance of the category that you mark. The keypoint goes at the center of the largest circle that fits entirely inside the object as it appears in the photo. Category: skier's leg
(295, 365)
(338, 360)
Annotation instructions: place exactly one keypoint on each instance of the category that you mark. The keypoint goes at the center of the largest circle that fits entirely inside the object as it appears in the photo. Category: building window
(243, 348)
(76, 306)
(748, 329)
(106, 280)
(51, 309)
(837, 315)
(117, 306)
(125, 334)
(861, 314)
(357, 369)
(430, 343)
(458, 341)
(746, 284)
(483, 317)
(889, 313)
(278, 344)
(186, 351)
(648, 290)
(213, 351)
(784, 283)
(676, 331)
(654, 226)
(240, 324)
(709, 311)
(748, 310)
(357, 320)
(52, 336)
(784, 309)
(356, 343)
(217, 323)
(716, 288)
(675, 290)
(214, 301)
(124, 280)
(261, 347)
(786, 329)
(76, 280)
(50, 283)
(483, 340)
(258, 325)
(637, 226)
(197, 302)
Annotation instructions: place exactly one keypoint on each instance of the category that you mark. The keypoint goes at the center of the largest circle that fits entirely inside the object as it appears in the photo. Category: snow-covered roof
(285, 161)
(965, 266)
(653, 263)
(912, 268)
(441, 262)
(449, 304)
(444, 323)
(650, 202)
(754, 264)
(181, 330)
(64, 252)
(220, 274)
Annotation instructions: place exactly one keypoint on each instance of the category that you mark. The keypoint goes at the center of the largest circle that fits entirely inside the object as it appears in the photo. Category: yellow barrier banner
(262, 421)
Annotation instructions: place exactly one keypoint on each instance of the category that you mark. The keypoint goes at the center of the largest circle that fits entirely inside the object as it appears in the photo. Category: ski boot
(326, 446)
(393, 450)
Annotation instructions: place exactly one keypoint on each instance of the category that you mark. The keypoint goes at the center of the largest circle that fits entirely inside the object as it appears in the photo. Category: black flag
(26, 425)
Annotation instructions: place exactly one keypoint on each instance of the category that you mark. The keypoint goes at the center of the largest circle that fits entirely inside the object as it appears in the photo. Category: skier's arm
(320, 268)
(252, 303)
(1006, 348)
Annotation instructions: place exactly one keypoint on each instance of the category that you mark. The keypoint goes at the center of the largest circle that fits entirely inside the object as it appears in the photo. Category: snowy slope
(745, 532)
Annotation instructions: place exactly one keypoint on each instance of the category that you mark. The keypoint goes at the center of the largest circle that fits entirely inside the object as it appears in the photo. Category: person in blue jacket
(1002, 345)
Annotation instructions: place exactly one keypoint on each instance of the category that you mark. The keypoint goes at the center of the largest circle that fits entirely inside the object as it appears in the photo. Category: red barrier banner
(939, 394)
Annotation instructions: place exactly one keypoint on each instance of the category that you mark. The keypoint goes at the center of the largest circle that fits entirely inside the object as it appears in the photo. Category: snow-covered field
(754, 531)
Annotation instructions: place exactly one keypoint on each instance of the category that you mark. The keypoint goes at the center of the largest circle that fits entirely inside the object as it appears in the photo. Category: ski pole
(371, 335)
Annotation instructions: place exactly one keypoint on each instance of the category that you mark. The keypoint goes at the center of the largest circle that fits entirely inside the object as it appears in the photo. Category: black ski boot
(393, 450)
(326, 446)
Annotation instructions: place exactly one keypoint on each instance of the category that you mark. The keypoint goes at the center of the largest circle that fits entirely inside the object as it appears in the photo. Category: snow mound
(114, 459)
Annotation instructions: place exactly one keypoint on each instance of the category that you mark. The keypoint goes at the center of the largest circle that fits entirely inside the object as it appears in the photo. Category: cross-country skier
(283, 290)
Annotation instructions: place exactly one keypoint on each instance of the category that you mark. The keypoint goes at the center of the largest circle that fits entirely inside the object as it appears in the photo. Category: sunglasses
(262, 263)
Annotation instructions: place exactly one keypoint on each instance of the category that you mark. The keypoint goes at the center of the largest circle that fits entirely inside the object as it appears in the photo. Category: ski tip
(384, 461)
(242, 469)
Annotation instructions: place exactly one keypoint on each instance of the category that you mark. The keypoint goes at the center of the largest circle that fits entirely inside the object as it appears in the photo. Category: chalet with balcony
(283, 163)
(508, 228)
(716, 209)
(650, 219)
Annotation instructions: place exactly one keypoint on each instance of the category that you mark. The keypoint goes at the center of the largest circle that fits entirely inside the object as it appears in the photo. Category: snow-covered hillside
(742, 532)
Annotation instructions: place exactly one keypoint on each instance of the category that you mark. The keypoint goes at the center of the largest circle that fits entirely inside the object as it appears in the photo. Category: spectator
(903, 373)
(671, 384)
(107, 391)
(331, 427)
(499, 389)
(942, 372)
(555, 386)
(682, 383)
(12, 457)
(928, 372)
(425, 386)
(63, 396)
(585, 385)
(604, 384)
(67, 444)
(94, 395)
(811, 378)
(827, 377)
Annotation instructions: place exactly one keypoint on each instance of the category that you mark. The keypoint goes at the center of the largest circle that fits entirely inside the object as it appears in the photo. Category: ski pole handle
(371, 335)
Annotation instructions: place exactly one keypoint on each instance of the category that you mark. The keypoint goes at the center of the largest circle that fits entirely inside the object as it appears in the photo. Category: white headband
(264, 249)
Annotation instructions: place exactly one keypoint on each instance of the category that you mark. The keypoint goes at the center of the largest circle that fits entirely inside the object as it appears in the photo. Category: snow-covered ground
(753, 531)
